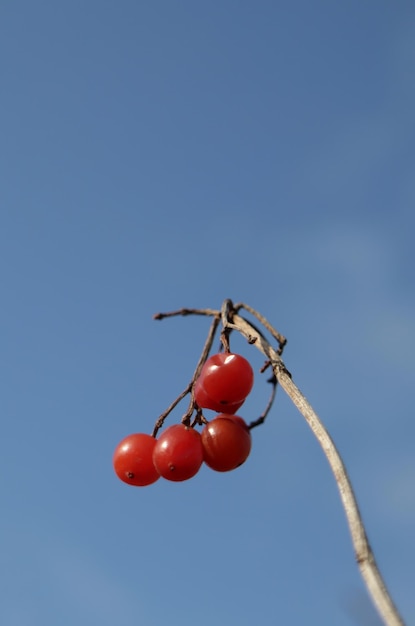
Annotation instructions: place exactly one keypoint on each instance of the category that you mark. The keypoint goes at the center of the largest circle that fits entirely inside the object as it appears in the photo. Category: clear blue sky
(163, 154)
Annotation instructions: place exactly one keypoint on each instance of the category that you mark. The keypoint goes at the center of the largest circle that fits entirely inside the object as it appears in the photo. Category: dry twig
(231, 320)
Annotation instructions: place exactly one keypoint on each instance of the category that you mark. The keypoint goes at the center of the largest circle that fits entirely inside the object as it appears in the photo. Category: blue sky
(162, 154)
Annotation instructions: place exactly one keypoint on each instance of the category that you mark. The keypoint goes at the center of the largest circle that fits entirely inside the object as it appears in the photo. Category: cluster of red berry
(223, 444)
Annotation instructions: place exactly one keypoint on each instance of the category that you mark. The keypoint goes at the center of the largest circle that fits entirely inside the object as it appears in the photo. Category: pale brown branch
(183, 312)
(280, 338)
(363, 552)
(231, 320)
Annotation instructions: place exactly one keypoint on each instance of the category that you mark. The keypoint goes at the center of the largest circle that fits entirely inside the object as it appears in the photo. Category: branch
(231, 320)
(363, 552)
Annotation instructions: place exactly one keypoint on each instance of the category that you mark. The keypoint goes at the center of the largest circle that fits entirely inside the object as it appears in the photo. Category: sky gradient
(156, 155)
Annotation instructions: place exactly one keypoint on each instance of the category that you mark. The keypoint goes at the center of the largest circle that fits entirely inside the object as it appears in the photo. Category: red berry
(133, 460)
(178, 453)
(204, 402)
(226, 378)
(226, 442)
(240, 421)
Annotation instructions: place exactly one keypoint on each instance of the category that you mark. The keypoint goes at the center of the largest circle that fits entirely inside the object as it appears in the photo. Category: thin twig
(161, 316)
(205, 353)
(261, 419)
(280, 338)
(160, 420)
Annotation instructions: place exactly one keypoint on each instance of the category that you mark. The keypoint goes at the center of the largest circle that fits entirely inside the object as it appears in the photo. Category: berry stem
(261, 419)
(160, 420)
(189, 389)
(202, 360)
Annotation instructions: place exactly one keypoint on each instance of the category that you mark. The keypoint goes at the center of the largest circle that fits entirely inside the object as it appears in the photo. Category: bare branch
(280, 338)
(363, 552)
(161, 316)
(231, 320)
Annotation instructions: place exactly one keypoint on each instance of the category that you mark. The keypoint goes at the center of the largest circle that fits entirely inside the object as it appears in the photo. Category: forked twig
(231, 320)
(189, 389)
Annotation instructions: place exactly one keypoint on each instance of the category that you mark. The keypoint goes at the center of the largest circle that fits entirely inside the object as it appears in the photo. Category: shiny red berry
(133, 460)
(226, 442)
(226, 378)
(178, 453)
(204, 402)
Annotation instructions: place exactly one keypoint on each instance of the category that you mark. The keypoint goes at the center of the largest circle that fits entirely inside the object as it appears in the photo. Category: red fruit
(226, 378)
(226, 442)
(178, 453)
(204, 402)
(240, 421)
(133, 460)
